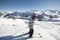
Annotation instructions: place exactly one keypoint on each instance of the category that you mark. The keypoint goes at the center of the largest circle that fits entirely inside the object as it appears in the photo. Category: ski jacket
(31, 23)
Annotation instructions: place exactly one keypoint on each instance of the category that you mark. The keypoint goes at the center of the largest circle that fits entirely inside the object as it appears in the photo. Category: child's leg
(31, 32)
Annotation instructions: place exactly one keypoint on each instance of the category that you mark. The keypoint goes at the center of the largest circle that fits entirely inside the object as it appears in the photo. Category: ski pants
(31, 32)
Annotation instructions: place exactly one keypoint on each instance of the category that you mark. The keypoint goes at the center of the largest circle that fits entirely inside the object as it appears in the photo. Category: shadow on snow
(20, 37)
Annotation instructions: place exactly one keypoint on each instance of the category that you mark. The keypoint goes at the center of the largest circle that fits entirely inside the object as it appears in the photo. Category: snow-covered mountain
(1, 14)
(18, 29)
(41, 15)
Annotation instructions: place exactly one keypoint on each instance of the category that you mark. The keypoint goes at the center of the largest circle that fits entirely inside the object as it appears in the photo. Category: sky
(25, 5)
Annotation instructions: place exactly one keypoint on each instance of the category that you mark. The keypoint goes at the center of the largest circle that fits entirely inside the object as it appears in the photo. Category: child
(31, 23)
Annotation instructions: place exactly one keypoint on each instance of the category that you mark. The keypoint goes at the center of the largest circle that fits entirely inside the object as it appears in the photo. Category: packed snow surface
(18, 30)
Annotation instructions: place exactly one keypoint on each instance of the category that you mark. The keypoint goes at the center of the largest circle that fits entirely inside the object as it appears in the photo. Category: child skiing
(31, 23)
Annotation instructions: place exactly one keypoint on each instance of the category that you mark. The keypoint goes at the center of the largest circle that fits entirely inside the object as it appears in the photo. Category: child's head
(33, 16)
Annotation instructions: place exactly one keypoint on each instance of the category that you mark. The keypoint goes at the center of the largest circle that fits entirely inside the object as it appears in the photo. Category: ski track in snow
(17, 30)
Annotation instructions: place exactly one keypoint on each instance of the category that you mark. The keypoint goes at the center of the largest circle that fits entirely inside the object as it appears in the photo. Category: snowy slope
(17, 30)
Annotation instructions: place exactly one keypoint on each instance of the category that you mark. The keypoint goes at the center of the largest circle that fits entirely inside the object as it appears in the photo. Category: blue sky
(25, 5)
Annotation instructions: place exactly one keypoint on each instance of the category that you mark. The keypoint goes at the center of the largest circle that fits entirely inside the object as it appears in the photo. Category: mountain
(1, 14)
(46, 27)
(41, 15)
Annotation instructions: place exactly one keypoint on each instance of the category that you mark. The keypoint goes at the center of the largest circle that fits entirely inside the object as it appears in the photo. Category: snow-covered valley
(18, 30)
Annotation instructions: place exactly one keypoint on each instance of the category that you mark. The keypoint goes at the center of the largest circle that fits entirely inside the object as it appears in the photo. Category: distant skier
(31, 23)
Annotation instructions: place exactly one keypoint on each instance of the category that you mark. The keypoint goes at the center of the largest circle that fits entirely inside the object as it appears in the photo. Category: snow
(17, 30)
